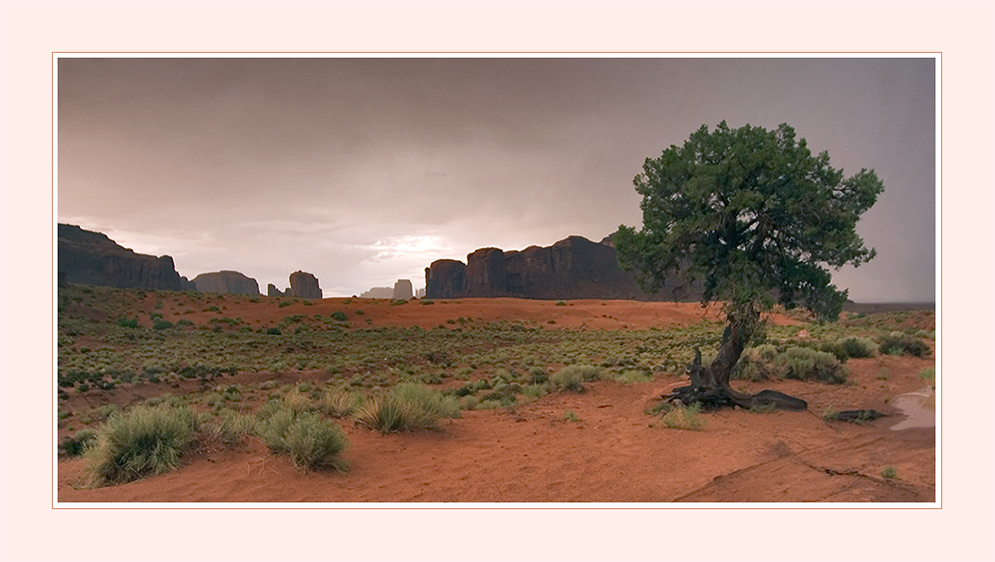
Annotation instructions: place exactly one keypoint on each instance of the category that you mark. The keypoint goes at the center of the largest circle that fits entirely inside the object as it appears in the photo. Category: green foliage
(339, 315)
(570, 416)
(571, 377)
(390, 414)
(803, 363)
(900, 343)
(928, 374)
(746, 212)
(142, 442)
(339, 403)
(889, 472)
(127, 322)
(431, 401)
(310, 441)
(76, 446)
(681, 417)
(160, 324)
(858, 347)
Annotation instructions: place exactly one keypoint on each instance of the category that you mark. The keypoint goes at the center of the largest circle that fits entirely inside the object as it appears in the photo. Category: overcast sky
(364, 171)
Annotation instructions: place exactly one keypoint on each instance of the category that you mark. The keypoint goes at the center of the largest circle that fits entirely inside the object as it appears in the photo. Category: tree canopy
(749, 216)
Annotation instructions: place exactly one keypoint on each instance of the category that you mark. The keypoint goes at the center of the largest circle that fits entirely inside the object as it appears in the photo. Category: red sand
(612, 455)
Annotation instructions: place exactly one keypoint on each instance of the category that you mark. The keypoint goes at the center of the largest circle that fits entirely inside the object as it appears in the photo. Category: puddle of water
(918, 407)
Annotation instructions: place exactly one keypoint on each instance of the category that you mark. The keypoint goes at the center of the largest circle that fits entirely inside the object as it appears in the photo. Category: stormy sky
(364, 171)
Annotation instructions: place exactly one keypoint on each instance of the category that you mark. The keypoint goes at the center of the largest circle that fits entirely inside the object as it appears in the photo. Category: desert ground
(601, 445)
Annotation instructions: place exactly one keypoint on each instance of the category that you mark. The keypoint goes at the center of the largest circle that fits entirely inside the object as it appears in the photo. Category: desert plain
(224, 355)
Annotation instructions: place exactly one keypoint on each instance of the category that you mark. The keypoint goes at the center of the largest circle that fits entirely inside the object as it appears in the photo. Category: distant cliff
(231, 282)
(573, 268)
(93, 258)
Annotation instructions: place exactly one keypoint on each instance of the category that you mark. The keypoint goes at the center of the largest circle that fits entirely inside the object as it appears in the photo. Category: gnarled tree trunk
(710, 385)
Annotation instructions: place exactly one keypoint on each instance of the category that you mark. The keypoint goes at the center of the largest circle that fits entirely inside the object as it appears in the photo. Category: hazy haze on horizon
(364, 171)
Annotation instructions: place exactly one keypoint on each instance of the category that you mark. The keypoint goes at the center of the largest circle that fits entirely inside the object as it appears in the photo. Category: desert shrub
(142, 442)
(431, 401)
(467, 402)
(127, 322)
(339, 403)
(899, 343)
(76, 446)
(428, 301)
(390, 414)
(681, 417)
(229, 429)
(756, 363)
(858, 347)
(889, 472)
(160, 324)
(310, 441)
(631, 376)
(284, 303)
(273, 331)
(489, 405)
(803, 363)
(339, 315)
(928, 374)
(570, 378)
(570, 416)
(560, 303)
(297, 401)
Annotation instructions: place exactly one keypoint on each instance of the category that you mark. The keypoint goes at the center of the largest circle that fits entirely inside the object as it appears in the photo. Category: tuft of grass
(900, 343)
(339, 403)
(390, 414)
(570, 416)
(889, 472)
(803, 363)
(142, 442)
(310, 441)
(571, 377)
(884, 373)
(928, 374)
(632, 376)
(431, 401)
(681, 417)
(830, 414)
(858, 347)
(77, 445)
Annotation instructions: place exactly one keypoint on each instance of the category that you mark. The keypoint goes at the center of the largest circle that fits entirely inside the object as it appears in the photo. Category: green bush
(803, 363)
(756, 363)
(127, 322)
(142, 442)
(76, 446)
(429, 400)
(339, 403)
(569, 378)
(160, 324)
(899, 343)
(310, 441)
(858, 347)
(339, 315)
(391, 413)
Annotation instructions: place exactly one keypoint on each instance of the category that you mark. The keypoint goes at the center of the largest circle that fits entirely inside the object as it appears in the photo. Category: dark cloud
(365, 170)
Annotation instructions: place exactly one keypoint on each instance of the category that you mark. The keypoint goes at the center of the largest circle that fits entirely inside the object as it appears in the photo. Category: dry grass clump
(407, 407)
(145, 441)
(572, 377)
(310, 441)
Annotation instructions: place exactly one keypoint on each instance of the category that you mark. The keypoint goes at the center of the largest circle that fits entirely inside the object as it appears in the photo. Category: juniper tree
(750, 217)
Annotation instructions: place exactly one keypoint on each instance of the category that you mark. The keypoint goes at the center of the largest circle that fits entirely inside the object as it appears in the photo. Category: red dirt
(533, 454)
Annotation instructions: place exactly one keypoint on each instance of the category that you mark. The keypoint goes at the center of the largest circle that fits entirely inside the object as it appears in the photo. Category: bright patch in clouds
(407, 246)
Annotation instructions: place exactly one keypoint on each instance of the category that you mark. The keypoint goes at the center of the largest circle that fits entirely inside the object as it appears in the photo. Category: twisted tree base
(715, 398)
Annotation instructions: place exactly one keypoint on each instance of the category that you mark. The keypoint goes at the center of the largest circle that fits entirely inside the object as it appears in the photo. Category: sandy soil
(532, 454)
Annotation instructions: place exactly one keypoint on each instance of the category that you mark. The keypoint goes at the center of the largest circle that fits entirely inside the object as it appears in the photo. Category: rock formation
(573, 268)
(93, 258)
(231, 282)
(378, 293)
(402, 290)
(272, 291)
(304, 285)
